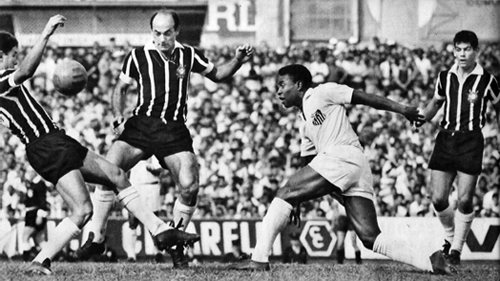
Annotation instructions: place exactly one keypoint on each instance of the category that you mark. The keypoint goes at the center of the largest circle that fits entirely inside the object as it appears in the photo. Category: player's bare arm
(30, 63)
(432, 108)
(118, 99)
(223, 72)
(381, 103)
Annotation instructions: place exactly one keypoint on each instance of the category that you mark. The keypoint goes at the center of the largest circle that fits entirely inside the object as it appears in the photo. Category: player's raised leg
(363, 217)
(306, 184)
(98, 170)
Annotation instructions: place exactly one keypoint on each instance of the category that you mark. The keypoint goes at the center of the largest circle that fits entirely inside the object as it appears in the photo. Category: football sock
(446, 217)
(275, 220)
(129, 239)
(183, 212)
(462, 228)
(63, 233)
(103, 201)
(136, 205)
(399, 250)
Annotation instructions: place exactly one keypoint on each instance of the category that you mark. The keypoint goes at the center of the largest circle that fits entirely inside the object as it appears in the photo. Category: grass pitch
(369, 270)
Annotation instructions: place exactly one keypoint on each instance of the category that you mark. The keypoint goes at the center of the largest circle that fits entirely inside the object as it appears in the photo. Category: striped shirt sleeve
(7, 82)
(494, 90)
(201, 64)
(439, 91)
(129, 68)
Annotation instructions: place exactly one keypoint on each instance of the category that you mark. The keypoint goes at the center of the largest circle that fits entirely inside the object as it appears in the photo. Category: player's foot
(159, 258)
(131, 259)
(446, 249)
(179, 259)
(39, 268)
(171, 237)
(454, 257)
(251, 265)
(438, 263)
(90, 249)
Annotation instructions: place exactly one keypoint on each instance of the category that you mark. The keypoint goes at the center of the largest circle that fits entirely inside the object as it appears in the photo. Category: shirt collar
(478, 70)
(151, 46)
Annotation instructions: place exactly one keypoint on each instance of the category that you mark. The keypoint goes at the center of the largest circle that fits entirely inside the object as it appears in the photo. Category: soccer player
(339, 168)
(157, 127)
(464, 90)
(60, 159)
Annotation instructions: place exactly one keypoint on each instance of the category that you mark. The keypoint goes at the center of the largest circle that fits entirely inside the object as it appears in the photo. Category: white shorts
(347, 168)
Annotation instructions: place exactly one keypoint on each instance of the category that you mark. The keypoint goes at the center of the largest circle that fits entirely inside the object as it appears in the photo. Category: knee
(368, 239)
(83, 213)
(440, 202)
(465, 204)
(188, 187)
(119, 178)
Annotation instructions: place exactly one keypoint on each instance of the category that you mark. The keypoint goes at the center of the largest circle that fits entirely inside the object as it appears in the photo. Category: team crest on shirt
(318, 118)
(472, 96)
(181, 72)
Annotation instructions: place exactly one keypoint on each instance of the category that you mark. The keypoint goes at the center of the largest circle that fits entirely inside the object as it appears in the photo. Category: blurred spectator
(295, 252)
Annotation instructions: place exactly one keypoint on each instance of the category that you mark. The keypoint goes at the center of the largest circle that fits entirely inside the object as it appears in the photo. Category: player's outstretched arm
(382, 103)
(30, 63)
(227, 70)
(432, 108)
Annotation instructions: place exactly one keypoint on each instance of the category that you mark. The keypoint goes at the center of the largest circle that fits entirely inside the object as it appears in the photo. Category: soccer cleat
(454, 257)
(39, 268)
(174, 237)
(438, 263)
(446, 249)
(179, 259)
(251, 265)
(90, 249)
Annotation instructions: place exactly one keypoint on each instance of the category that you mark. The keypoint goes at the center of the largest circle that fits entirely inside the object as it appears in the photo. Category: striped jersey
(20, 112)
(466, 101)
(163, 81)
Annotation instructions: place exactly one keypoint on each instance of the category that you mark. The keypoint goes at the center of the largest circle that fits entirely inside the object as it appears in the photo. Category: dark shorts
(30, 220)
(55, 154)
(156, 138)
(458, 151)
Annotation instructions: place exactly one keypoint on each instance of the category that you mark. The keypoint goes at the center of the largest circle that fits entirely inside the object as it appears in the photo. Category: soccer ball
(70, 77)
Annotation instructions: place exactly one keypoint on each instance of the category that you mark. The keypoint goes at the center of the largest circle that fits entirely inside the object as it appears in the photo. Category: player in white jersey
(339, 167)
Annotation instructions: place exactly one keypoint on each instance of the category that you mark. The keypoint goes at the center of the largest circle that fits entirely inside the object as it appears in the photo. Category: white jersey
(326, 124)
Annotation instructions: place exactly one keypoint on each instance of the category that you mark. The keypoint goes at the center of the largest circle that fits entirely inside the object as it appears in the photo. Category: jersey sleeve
(200, 63)
(336, 93)
(129, 68)
(493, 90)
(439, 91)
(7, 81)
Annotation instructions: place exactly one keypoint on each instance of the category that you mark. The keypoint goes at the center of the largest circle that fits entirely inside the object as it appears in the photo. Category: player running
(339, 168)
(60, 159)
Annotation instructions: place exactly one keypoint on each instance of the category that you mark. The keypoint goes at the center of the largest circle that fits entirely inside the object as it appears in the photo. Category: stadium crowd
(248, 144)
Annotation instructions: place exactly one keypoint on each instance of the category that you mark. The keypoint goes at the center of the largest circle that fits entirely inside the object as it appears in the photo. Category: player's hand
(415, 116)
(244, 53)
(295, 216)
(118, 125)
(53, 23)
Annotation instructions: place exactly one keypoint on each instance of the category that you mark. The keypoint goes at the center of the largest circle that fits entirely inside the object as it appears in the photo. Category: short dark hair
(297, 72)
(7, 42)
(466, 36)
(166, 12)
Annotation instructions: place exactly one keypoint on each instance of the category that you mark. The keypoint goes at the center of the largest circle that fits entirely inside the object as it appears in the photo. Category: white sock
(354, 241)
(103, 201)
(275, 220)
(129, 239)
(399, 250)
(446, 217)
(183, 212)
(462, 228)
(63, 233)
(136, 205)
